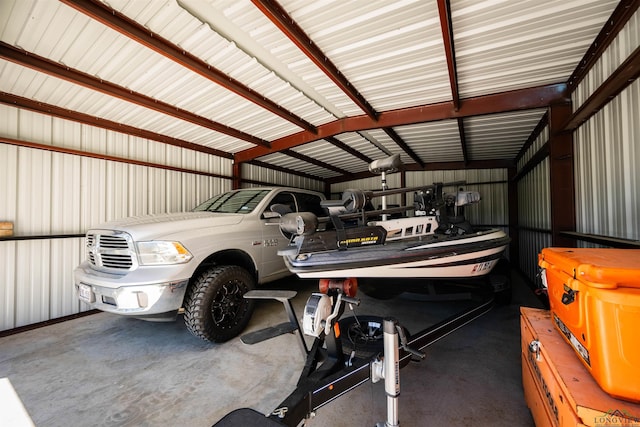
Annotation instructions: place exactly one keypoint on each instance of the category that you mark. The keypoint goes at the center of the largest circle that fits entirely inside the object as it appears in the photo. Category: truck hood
(162, 226)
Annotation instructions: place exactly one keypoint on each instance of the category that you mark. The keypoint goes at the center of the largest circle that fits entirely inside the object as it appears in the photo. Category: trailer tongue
(328, 372)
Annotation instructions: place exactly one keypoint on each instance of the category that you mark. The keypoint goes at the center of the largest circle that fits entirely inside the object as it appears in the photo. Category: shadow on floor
(105, 370)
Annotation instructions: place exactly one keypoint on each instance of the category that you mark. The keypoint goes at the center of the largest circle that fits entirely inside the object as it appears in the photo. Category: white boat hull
(472, 256)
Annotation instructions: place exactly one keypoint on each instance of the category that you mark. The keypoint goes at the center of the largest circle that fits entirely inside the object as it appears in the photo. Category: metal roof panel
(500, 136)
(502, 45)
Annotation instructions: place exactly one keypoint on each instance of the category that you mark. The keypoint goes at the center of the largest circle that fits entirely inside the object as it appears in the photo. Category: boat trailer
(328, 372)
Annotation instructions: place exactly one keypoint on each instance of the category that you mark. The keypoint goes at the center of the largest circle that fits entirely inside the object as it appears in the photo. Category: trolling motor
(382, 167)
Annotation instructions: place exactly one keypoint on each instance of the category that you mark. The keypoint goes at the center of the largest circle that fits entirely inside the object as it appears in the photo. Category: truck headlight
(161, 252)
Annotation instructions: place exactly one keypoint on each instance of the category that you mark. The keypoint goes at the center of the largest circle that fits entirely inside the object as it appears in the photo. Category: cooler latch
(569, 295)
(534, 348)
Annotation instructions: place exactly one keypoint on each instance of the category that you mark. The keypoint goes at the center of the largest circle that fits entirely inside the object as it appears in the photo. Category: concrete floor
(105, 370)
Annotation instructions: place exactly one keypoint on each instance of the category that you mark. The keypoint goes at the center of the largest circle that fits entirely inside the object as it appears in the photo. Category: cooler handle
(569, 295)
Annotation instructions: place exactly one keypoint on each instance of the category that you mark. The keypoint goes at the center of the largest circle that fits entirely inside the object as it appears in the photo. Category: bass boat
(355, 241)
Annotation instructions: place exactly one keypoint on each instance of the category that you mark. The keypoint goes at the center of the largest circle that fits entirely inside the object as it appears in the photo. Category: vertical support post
(236, 179)
(384, 198)
(408, 197)
(512, 191)
(391, 370)
(563, 207)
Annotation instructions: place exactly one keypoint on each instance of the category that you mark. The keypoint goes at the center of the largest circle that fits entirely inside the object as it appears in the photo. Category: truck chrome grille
(110, 251)
(113, 242)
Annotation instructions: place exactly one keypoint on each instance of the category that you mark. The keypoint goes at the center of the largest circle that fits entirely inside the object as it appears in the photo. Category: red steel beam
(133, 30)
(522, 99)
(444, 10)
(618, 19)
(622, 77)
(55, 149)
(403, 145)
(341, 145)
(435, 166)
(544, 121)
(285, 170)
(315, 162)
(55, 111)
(276, 13)
(463, 140)
(52, 68)
(514, 217)
(561, 176)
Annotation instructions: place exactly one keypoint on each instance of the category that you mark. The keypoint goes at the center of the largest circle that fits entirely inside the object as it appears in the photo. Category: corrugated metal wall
(265, 176)
(607, 151)
(37, 282)
(48, 193)
(491, 183)
(534, 211)
(606, 155)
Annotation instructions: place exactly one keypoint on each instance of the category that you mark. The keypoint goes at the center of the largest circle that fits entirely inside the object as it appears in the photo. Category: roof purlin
(131, 29)
(283, 169)
(52, 68)
(398, 140)
(446, 25)
(622, 77)
(618, 19)
(521, 99)
(281, 19)
(316, 162)
(63, 113)
(341, 145)
(463, 140)
(473, 164)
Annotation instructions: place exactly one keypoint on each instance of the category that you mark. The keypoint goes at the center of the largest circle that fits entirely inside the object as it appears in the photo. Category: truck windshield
(241, 201)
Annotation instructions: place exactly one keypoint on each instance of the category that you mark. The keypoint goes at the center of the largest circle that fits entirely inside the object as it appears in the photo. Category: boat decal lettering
(482, 266)
(367, 240)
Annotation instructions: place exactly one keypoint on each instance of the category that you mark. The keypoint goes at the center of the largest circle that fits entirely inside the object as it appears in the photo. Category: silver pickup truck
(203, 261)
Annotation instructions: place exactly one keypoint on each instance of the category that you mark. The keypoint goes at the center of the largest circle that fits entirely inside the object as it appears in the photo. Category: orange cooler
(594, 295)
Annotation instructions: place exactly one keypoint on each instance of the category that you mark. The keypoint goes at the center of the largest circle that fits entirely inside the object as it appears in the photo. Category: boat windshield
(240, 201)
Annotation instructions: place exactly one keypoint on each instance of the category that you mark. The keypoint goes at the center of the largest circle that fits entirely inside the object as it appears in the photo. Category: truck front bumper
(149, 301)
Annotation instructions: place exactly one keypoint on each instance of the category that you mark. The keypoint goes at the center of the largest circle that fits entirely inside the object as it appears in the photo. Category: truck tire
(214, 308)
